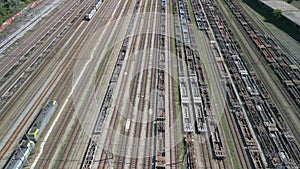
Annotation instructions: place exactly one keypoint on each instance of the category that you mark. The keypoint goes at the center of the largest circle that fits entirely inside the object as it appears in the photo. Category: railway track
(189, 68)
(52, 143)
(121, 160)
(10, 58)
(239, 147)
(221, 164)
(137, 131)
(161, 110)
(261, 72)
(263, 28)
(246, 80)
(170, 83)
(20, 32)
(256, 159)
(60, 91)
(207, 160)
(30, 113)
(36, 40)
(135, 109)
(165, 126)
(35, 56)
(237, 140)
(34, 77)
(277, 59)
(137, 158)
(67, 118)
(103, 111)
(182, 46)
(173, 117)
(147, 160)
(279, 64)
(105, 152)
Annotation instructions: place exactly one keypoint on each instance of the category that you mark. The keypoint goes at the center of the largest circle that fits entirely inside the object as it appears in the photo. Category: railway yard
(147, 84)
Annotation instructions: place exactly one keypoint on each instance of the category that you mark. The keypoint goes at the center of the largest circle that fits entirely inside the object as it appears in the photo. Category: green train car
(41, 121)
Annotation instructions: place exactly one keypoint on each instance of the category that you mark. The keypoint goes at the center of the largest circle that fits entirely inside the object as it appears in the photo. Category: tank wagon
(27, 144)
(92, 12)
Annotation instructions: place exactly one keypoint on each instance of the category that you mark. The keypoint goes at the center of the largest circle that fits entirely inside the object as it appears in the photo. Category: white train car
(92, 12)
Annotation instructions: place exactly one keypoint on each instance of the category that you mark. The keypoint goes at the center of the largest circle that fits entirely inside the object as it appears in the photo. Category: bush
(9, 7)
(276, 13)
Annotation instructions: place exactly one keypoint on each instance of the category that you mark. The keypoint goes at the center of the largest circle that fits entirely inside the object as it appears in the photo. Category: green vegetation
(191, 13)
(281, 23)
(230, 143)
(122, 122)
(208, 76)
(102, 65)
(180, 145)
(289, 1)
(60, 155)
(9, 7)
(181, 151)
(276, 13)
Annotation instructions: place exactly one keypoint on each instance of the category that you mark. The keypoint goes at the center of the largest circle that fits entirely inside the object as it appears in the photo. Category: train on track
(27, 144)
(92, 12)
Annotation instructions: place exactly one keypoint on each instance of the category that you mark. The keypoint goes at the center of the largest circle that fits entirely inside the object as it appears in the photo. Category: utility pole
(108, 159)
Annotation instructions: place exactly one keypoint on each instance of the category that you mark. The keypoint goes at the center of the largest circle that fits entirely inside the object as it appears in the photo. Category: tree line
(10, 7)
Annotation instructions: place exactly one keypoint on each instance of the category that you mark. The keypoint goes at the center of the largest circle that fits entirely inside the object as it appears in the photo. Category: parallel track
(141, 105)
(237, 140)
(16, 53)
(116, 115)
(67, 117)
(44, 48)
(76, 21)
(123, 145)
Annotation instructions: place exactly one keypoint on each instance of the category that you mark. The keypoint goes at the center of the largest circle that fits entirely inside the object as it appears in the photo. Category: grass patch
(211, 84)
(281, 22)
(191, 13)
(229, 142)
(63, 148)
(60, 154)
(9, 8)
(207, 74)
(180, 145)
(102, 65)
(181, 151)
(122, 122)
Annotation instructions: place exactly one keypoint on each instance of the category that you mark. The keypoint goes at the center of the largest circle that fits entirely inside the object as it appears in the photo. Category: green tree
(276, 13)
(13, 5)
